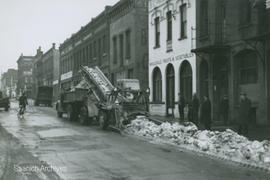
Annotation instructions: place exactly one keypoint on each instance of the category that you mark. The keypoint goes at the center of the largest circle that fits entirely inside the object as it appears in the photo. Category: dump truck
(4, 102)
(44, 96)
(95, 98)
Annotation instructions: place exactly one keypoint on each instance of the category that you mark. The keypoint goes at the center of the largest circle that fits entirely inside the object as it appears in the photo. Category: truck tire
(6, 108)
(103, 120)
(59, 114)
(70, 113)
(83, 117)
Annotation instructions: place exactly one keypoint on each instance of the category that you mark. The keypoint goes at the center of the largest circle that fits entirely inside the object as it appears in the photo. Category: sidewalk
(255, 133)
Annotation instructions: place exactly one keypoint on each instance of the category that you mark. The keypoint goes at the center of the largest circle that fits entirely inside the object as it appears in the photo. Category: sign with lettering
(66, 76)
(55, 82)
(172, 59)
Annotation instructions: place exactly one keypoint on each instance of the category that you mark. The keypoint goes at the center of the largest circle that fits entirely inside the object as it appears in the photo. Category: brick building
(89, 46)
(25, 75)
(9, 82)
(233, 52)
(46, 69)
(129, 41)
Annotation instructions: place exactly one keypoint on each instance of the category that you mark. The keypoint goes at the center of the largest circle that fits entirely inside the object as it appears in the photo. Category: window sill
(156, 47)
(244, 25)
(204, 37)
(182, 38)
(153, 103)
(169, 50)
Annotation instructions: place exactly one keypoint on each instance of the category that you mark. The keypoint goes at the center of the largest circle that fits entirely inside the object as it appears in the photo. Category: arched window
(157, 85)
(170, 86)
(186, 80)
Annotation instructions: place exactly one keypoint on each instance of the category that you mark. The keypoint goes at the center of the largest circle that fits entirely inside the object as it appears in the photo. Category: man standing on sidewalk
(206, 113)
(224, 109)
(181, 106)
(195, 109)
(244, 113)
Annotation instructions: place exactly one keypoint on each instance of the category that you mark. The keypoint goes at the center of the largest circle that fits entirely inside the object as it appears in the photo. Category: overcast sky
(27, 24)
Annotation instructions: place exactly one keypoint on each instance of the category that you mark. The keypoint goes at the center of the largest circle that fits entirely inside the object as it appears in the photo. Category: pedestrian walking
(244, 114)
(195, 109)
(206, 113)
(181, 106)
(224, 109)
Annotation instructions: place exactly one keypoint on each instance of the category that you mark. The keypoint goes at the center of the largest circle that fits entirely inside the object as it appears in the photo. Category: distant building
(129, 41)
(172, 65)
(25, 75)
(9, 83)
(46, 70)
(233, 55)
(116, 41)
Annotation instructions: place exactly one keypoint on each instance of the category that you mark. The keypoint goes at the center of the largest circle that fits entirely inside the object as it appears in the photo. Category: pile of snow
(227, 144)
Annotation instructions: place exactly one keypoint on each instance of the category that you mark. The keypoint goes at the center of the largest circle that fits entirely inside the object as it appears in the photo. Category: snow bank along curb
(227, 145)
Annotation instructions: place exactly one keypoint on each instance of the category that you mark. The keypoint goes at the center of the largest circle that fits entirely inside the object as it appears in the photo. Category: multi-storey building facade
(172, 65)
(129, 41)
(233, 54)
(46, 70)
(89, 46)
(9, 82)
(25, 75)
(37, 73)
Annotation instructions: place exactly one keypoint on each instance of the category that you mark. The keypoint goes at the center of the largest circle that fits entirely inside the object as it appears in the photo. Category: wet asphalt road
(80, 152)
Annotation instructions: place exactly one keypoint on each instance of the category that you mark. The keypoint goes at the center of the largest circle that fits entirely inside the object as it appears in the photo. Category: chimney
(53, 45)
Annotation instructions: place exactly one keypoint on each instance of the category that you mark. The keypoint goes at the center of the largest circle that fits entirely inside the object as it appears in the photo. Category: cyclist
(22, 104)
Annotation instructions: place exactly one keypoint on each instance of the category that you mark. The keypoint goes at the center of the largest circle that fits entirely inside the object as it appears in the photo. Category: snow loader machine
(95, 98)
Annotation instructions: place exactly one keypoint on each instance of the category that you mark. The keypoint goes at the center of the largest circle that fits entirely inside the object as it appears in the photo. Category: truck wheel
(59, 114)
(6, 108)
(70, 113)
(83, 117)
(102, 120)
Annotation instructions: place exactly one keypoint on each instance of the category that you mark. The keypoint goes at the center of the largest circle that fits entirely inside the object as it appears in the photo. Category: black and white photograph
(134, 89)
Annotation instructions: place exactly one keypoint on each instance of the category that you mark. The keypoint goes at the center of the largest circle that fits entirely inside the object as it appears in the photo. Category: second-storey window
(121, 39)
(169, 25)
(204, 18)
(114, 50)
(183, 21)
(157, 32)
(128, 45)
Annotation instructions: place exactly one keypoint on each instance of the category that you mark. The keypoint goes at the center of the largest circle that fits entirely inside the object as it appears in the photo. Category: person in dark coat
(244, 112)
(195, 109)
(147, 95)
(181, 106)
(190, 115)
(224, 109)
(206, 113)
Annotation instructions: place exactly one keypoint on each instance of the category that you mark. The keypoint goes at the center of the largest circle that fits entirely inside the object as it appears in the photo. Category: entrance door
(170, 93)
(186, 81)
(204, 77)
(221, 83)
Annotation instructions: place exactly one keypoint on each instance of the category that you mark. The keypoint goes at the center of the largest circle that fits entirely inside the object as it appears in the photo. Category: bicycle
(21, 111)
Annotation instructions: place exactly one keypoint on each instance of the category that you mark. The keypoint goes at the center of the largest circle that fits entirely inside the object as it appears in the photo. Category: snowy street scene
(135, 90)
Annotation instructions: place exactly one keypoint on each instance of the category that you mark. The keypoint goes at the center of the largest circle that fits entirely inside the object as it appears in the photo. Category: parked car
(4, 102)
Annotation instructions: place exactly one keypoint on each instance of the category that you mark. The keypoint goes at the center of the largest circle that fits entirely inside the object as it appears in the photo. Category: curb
(206, 154)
